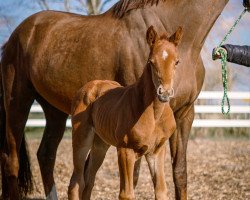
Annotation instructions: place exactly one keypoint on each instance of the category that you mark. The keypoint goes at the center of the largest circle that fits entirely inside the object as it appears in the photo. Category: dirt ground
(217, 169)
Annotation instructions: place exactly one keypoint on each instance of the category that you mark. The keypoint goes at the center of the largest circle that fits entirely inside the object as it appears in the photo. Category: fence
(243, 97)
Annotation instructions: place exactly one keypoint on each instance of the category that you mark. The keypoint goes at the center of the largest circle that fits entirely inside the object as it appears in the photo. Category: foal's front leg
(156, 167)
(126, 161)
(82, 139)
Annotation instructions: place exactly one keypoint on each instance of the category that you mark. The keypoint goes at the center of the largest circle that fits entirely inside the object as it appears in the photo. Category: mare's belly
(59, 87)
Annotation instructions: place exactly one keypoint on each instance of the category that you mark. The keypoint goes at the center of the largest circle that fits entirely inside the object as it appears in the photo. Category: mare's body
(51, 55)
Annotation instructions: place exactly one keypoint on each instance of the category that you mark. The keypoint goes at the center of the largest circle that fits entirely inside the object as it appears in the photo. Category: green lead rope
(223, 53)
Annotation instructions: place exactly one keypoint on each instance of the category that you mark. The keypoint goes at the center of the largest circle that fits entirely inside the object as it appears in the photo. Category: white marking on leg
(52, 195)
(164, 55)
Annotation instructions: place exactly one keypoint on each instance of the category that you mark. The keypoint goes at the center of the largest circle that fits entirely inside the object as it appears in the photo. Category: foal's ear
(177, 36)
(151, 36)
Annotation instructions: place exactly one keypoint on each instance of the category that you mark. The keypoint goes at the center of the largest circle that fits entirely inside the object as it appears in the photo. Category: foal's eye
(177, 62)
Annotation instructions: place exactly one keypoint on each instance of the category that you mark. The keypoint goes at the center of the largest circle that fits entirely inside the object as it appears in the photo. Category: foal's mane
(123, 6)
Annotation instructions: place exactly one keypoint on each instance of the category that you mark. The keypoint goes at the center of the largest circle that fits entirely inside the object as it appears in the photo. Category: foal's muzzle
(164, 95)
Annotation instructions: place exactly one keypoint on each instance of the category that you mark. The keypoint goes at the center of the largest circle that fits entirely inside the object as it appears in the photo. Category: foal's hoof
(162, 197)
(126, 197)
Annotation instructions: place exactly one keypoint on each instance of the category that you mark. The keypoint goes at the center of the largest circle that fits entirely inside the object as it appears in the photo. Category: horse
(136, 119)
(51, 55)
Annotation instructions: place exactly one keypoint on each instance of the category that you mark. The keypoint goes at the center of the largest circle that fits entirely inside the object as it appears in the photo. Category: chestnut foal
(137, 119)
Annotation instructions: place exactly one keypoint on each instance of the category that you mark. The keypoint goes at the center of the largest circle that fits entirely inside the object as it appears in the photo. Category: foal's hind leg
(95, 160)
(156, 167)
(18, 98)
(53, 133)
(82, 141)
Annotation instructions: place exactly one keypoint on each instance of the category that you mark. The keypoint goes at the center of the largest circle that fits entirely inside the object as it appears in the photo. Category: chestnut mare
(137, 119)
(51, 55)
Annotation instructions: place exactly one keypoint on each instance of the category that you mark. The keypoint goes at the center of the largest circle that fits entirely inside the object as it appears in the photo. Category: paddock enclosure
(207, 109)
(217, 169)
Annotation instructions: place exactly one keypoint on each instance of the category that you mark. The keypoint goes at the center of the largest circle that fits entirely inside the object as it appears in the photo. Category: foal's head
(163, 59)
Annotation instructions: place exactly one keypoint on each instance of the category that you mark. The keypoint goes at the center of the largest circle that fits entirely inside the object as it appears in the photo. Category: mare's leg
(126, 161)
(137, 171)
(178, 147)
(46, 154)
(5, 192)
(82, 142)
(18, 98)
(156, 167)
(95, 160)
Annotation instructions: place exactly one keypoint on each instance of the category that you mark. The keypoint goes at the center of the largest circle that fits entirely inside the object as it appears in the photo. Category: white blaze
(164, 55)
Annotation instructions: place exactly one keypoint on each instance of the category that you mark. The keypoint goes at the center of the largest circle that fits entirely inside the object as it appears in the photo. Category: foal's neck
(147, 93)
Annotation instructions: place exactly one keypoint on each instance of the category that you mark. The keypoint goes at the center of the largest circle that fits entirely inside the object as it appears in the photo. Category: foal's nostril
(160, 90)
(171, 92)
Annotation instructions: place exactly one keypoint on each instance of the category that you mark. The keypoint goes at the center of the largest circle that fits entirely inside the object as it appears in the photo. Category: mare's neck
(146, 93)
(196, 17)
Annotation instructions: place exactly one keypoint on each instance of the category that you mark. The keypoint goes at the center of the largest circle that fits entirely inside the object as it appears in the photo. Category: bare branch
(102, 6)
(67, 5)
(92, 6)
(7, 22)
(82, 3)
(43, 4)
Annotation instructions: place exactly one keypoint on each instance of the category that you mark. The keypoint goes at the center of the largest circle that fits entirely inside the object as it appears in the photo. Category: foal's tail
(24, 176)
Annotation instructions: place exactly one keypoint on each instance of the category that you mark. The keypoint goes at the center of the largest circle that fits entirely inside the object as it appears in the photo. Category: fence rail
(199, 109)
